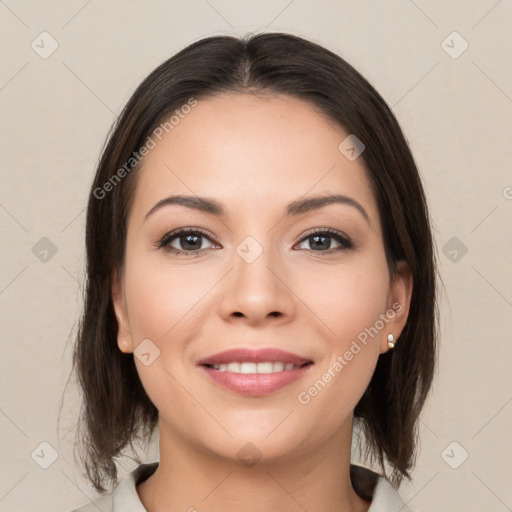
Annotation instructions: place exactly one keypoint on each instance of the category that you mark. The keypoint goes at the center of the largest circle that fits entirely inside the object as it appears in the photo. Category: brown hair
(115, 409)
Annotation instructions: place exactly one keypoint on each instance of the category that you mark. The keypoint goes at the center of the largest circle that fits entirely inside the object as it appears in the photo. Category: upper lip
(254, 356)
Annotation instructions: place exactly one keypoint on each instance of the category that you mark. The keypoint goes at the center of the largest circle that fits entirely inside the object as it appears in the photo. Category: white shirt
(124, 497)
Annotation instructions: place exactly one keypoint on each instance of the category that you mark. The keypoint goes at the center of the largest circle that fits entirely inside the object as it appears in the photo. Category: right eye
(189, 241)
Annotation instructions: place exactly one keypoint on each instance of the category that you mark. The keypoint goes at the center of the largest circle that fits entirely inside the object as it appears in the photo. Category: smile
(254, 372)
(249, 367)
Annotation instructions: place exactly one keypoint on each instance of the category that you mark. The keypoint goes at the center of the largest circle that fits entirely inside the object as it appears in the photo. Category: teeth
(233, 367)
(248, 368)
(279, 367)
(267, 367)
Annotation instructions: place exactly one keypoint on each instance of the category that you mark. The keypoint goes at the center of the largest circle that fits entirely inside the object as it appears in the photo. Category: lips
(245, 355)
(238, 370)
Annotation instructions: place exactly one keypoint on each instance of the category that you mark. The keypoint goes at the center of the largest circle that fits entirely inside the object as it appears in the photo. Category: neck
(191, 479)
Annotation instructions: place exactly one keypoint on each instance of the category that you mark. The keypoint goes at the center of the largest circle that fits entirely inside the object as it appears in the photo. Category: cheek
(348, 300)
(164, 304)
(160, 302)
(349, 304)
(160, 299)
(351, 311)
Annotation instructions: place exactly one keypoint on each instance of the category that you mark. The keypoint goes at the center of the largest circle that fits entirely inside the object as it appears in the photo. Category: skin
(254, 154)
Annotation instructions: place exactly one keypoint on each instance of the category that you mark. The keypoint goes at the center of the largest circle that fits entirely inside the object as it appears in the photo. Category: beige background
(456, 113)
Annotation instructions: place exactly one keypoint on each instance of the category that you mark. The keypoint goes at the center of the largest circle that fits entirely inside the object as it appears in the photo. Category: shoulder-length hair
(116, 410)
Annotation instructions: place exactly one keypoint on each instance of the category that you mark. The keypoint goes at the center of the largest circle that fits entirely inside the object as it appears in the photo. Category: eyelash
(163, 243)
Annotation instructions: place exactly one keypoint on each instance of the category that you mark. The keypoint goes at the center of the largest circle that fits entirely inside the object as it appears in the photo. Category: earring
(391, 343)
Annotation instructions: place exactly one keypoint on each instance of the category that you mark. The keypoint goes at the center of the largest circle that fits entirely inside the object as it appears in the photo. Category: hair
(116, 409)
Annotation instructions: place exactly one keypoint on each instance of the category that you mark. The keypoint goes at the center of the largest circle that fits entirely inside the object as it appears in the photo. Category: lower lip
(256, 384)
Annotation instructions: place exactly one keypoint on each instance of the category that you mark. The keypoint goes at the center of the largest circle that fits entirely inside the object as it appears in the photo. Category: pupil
(187, 243)
(316, 238)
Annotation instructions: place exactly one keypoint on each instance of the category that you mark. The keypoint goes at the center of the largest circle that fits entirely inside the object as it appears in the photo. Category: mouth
(247, 367)
(255, 372)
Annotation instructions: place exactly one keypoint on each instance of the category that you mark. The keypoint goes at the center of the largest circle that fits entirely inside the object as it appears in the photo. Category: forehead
(247, 150)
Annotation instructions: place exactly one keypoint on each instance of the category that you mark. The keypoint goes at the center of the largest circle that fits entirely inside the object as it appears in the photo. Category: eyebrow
(299, 207)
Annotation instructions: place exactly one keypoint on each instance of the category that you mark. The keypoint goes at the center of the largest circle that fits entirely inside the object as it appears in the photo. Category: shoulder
(124, 496)
(375, 488)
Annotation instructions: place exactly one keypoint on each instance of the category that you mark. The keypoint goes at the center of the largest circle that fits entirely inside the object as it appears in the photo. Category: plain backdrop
(444, 69)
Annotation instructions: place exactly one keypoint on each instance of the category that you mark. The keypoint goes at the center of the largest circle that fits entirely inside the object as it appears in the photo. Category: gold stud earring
(391, 343)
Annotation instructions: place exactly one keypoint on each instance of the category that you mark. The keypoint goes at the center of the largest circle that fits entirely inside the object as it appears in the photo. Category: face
(313, 282)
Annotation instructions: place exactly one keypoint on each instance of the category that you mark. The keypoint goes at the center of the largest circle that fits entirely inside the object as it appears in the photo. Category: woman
(261, 286)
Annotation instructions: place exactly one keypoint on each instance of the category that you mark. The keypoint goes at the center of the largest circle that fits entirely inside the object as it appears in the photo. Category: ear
(399, 302)
(124, 337)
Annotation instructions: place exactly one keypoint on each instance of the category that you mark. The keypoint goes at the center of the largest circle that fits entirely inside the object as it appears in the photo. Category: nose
(259, 291)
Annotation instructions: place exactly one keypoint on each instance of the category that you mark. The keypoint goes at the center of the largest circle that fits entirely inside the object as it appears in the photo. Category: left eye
(320, 241)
